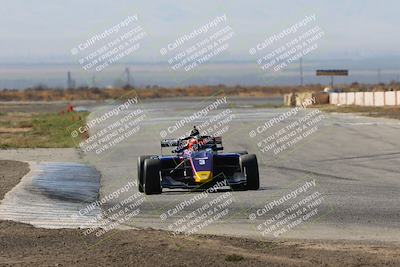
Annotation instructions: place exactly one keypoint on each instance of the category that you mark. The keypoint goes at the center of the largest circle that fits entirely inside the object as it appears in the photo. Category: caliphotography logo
(199, 133)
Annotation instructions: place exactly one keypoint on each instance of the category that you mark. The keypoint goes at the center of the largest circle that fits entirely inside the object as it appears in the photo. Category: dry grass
(143, 93)
(84, 93)
(29, 130)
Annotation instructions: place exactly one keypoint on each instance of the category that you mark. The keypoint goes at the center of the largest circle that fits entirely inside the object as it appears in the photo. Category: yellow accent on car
(203, 177)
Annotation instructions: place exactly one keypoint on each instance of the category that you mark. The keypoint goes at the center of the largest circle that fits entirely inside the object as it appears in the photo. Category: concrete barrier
(390, 98)
(373, 99)
(359, 98)
(342, 98)
(397, 98)
(368, 99)
(350, 98)
(320, 98)
(334, 99)
(379, 99)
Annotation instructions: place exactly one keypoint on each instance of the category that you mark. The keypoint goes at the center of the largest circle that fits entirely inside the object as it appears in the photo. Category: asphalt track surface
(354, 161)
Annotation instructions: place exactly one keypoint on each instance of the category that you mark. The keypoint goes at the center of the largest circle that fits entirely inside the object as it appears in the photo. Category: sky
(46, 30)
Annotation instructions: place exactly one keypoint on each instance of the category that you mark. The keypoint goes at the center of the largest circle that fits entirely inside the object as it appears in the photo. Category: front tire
(140, 171)
(249, 166)
(152, 183)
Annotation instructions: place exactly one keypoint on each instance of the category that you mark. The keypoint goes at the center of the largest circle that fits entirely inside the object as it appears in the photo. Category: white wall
(379, 99)
(351, 99)
(398, 98)
(334, 98)
(390, 98)
(359, 98)
(368, 99)
(342, 98)
(376, 99)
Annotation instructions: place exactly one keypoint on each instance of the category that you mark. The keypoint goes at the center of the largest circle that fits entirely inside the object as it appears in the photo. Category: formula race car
(197, 163)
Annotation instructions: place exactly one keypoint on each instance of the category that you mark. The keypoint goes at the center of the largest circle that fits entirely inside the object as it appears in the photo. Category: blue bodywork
(194, 169)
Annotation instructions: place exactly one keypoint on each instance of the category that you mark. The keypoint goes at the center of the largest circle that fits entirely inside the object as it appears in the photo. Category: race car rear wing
(218, 140)
(176, 142)
(170, 142)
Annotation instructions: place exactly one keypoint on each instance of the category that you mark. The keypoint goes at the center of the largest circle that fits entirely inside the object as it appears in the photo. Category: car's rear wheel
(140, 171)
(152, 182)
(249, 166)
(241, 152)
(238, 187)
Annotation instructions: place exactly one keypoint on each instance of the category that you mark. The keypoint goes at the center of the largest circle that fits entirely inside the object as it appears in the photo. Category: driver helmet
(193, 144)
(195, 132)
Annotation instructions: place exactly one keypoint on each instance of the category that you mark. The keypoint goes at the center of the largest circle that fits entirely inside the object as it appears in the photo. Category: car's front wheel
(152, 182)
(140, 171)
(249, 166)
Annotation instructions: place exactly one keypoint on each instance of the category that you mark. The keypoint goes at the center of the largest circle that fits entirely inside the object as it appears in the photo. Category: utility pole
(301, 71)
(69, 80)
(128, 77)
(379, 76)
(93, 81)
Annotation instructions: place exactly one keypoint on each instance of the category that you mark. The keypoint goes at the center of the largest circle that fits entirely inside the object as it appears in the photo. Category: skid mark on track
(51, 195)
(313, 172)
(373, 156)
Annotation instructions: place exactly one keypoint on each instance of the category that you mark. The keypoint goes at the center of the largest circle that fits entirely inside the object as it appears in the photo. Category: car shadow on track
(180, 192)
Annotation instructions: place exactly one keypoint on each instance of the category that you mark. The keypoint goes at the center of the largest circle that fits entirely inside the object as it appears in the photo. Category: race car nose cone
(203, 176)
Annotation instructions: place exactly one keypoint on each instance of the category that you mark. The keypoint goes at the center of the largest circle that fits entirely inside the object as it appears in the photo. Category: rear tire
(140, 171)
(152, 183)
(241, 152)
(238, 187)
(249, 166)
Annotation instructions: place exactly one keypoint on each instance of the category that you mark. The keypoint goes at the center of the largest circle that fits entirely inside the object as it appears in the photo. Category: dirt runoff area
(11, 172)
(22, 244)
